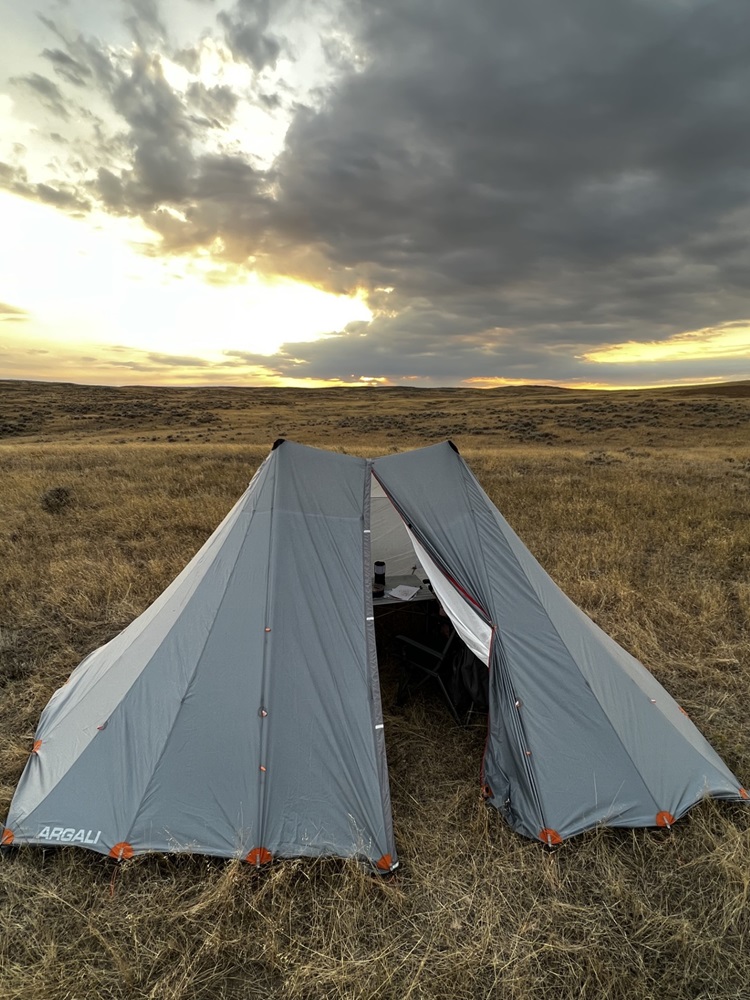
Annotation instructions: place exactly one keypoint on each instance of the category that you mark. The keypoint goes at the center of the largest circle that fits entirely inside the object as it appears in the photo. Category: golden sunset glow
(109, 310)
(488, 382)
(729, 341)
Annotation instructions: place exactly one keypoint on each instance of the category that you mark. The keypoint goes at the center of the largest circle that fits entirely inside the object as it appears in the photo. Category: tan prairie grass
(377, 419)
(651, 539)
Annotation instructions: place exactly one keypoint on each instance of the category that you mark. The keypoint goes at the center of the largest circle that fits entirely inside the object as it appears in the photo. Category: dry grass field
(637, 503)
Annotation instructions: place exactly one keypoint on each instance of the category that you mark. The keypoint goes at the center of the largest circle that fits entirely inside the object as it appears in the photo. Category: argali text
(68, 835)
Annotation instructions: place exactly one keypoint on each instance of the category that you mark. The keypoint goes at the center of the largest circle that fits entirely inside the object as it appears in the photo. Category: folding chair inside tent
(435, 663)
(430, 663)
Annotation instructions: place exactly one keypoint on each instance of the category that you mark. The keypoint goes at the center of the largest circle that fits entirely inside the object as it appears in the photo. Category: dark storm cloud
(217, 104)
(441, 358)
(487, 144)
(95, 58)
(527, 165)
(189, 57)
(67, 67)
(47, 91)
(248, 35)
(160, 125)
(159, 135)
(144, 21)
(14, 178)
(61, 198)
(162, 129)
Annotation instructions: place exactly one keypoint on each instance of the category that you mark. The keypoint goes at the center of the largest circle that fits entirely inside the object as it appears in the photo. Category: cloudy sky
(423, 192)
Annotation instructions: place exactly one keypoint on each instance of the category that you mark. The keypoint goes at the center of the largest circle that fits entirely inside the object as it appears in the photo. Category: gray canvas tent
(240, 714)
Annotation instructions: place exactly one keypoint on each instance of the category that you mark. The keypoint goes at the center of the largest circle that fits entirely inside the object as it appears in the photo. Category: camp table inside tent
(240, 714)
(408, 581)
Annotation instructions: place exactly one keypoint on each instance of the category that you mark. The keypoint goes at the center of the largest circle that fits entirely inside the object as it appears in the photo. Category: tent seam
(371, 651)
(263, 734)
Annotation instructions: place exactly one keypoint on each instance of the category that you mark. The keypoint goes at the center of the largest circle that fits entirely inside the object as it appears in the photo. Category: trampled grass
(644, 525)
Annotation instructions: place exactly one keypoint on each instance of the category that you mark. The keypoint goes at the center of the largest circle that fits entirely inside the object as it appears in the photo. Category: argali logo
(68, 835)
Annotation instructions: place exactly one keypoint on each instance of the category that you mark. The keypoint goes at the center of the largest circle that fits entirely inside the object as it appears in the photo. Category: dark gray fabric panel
(322, 791)
(428, 488)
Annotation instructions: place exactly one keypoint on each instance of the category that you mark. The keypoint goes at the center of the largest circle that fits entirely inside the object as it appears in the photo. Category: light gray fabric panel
(203, 790)
(121, 771)
(70, 721)
(390, 541)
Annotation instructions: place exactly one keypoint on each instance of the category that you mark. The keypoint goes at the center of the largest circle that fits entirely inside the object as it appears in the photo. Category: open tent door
(403, 554)
(473, 630)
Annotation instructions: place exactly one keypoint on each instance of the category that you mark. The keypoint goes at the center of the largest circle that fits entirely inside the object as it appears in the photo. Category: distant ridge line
(734, 389)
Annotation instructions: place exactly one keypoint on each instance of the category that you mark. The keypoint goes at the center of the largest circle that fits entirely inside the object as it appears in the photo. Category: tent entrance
(394, 544)
(433, 646)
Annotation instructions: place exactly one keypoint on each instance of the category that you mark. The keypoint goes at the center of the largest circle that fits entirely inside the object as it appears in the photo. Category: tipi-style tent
(240, 714)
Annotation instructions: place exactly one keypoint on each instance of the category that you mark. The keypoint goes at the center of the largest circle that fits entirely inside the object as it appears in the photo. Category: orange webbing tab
(743, 794)
(664, 819)
(37, 746)
(7, 838)
(259, 856)
(385, 863)
(486, 792)
(122, 851)
(550, 837)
